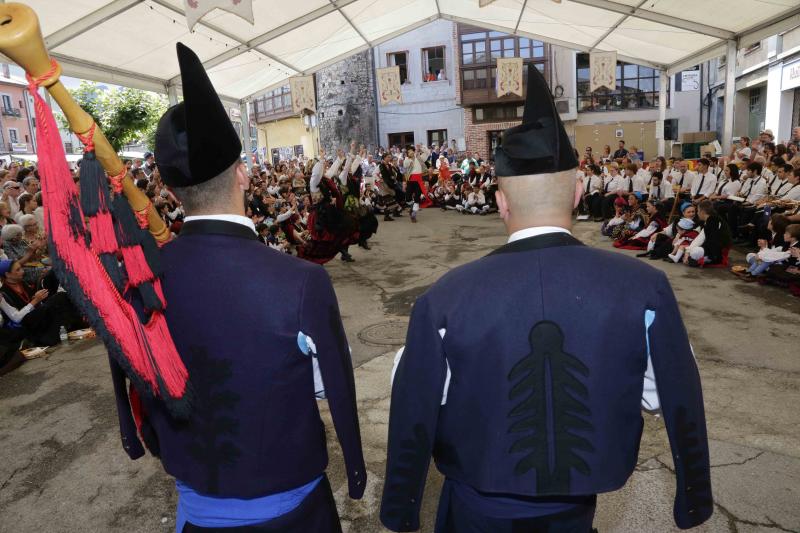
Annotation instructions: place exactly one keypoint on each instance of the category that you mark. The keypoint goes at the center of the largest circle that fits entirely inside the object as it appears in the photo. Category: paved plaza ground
(62, 467)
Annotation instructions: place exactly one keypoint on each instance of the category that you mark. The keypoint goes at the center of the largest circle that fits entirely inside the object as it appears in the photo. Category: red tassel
(101, 227)
(149, 352)
(136, 265)
(169, 363)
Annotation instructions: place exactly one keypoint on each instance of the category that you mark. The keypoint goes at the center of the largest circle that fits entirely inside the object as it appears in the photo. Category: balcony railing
(17, 147)
(11, 112)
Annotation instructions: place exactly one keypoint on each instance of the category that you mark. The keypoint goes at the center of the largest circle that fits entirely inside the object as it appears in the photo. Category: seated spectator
(5, 214)
(758, 263)
(38, 313)
(613, 227)
(714, 240)
(788, 272)
(655, 222)
(27, 205)
(29, 254)
(39, 211)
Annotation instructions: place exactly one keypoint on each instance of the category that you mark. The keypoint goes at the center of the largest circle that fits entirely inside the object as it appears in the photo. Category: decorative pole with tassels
(100, 252)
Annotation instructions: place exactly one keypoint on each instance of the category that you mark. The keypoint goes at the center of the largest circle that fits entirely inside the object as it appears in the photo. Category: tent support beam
(273, 34)
(557, 42)
(652, 16)
(614, 27)
(355, 29)
(219, 30)
(715, 50)
(730, 95)
(519, 19)
(93, 19)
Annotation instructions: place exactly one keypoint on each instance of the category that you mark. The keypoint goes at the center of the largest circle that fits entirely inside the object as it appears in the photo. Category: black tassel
(151, 253)
(112, 266)
(94, 186)
(125, 224)
(150, 299)
(76, 224)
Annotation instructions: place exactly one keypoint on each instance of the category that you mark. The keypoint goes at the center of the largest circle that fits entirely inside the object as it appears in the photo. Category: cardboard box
(704, 137)
(687, 137)
(708, 149)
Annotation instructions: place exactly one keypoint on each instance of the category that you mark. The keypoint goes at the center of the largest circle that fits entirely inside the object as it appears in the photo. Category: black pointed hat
(539, 145)
(195, 140)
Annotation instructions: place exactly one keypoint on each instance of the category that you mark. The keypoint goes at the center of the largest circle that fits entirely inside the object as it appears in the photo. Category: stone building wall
(346, 103)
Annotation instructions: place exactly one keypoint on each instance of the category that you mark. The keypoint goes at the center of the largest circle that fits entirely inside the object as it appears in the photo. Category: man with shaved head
(527, 390)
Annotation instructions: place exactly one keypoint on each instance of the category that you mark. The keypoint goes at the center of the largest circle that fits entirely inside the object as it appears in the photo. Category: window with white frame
(433, 64)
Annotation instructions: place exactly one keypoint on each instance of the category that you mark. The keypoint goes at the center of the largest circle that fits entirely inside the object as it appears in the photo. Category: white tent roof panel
(132, 41)
(642, 38)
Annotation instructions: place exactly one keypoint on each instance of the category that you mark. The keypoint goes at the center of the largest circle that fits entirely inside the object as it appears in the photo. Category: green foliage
(125, 115)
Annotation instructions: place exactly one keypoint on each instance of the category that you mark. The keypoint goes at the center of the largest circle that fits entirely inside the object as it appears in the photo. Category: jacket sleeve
(416, 400)
(321, 321)
(681, 398)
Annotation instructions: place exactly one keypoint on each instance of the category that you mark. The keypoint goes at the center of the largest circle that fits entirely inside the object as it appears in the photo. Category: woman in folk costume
(366, 222)
(330, 230)
(390, 188)
(416, 190)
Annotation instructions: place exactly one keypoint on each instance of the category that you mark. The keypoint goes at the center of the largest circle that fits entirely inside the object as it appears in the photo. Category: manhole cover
(392, 333)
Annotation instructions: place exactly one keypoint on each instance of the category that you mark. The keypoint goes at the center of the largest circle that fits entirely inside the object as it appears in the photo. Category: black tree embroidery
(213, 425)
(551, 408)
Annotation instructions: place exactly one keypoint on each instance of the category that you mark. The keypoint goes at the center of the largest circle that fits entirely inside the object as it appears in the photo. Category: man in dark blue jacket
(527, 390)
(252, 455)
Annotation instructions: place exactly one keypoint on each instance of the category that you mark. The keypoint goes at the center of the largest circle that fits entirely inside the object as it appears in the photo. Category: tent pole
(662, 111)
(730, 95)
(245, 115)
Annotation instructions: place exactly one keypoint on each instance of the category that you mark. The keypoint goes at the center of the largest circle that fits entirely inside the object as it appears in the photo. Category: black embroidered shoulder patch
(551, 407)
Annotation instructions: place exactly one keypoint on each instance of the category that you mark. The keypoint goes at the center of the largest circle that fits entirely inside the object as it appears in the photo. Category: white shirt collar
(236, 219)
(535, 232)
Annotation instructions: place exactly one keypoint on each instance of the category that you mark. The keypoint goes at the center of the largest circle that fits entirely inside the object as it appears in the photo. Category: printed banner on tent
(602, 70)
(509, 76)
(197, 9)
(302, 88)
(389, 85)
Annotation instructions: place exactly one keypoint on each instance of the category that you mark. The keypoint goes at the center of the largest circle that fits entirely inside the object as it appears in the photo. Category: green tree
(125, 115)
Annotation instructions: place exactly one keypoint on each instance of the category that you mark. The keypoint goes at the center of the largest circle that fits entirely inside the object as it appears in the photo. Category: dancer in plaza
(527, 437)
(250, 368)
(416, 190)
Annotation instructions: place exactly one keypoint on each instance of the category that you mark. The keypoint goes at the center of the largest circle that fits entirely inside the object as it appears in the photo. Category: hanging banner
(509, 76)
(302, 89)
(602, 70)
(197, 9)
(389, 85)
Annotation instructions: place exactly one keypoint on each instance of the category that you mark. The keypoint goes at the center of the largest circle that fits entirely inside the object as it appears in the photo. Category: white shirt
(688, 178)
(790, 192)
(726, 187)
(640, 183)
(708, 182)
(758, 190)
(236, 219)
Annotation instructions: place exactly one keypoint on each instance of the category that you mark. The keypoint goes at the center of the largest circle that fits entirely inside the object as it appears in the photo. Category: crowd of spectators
(34, 310)
(693, 216)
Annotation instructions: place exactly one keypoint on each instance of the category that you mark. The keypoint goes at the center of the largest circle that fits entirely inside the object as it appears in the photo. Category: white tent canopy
(132, 42)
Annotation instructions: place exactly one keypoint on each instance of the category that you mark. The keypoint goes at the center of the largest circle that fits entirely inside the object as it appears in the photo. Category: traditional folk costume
(365, 219)
(250, 368)
(331, 230)
(557, 420)
(390, 190)
(416, 189)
